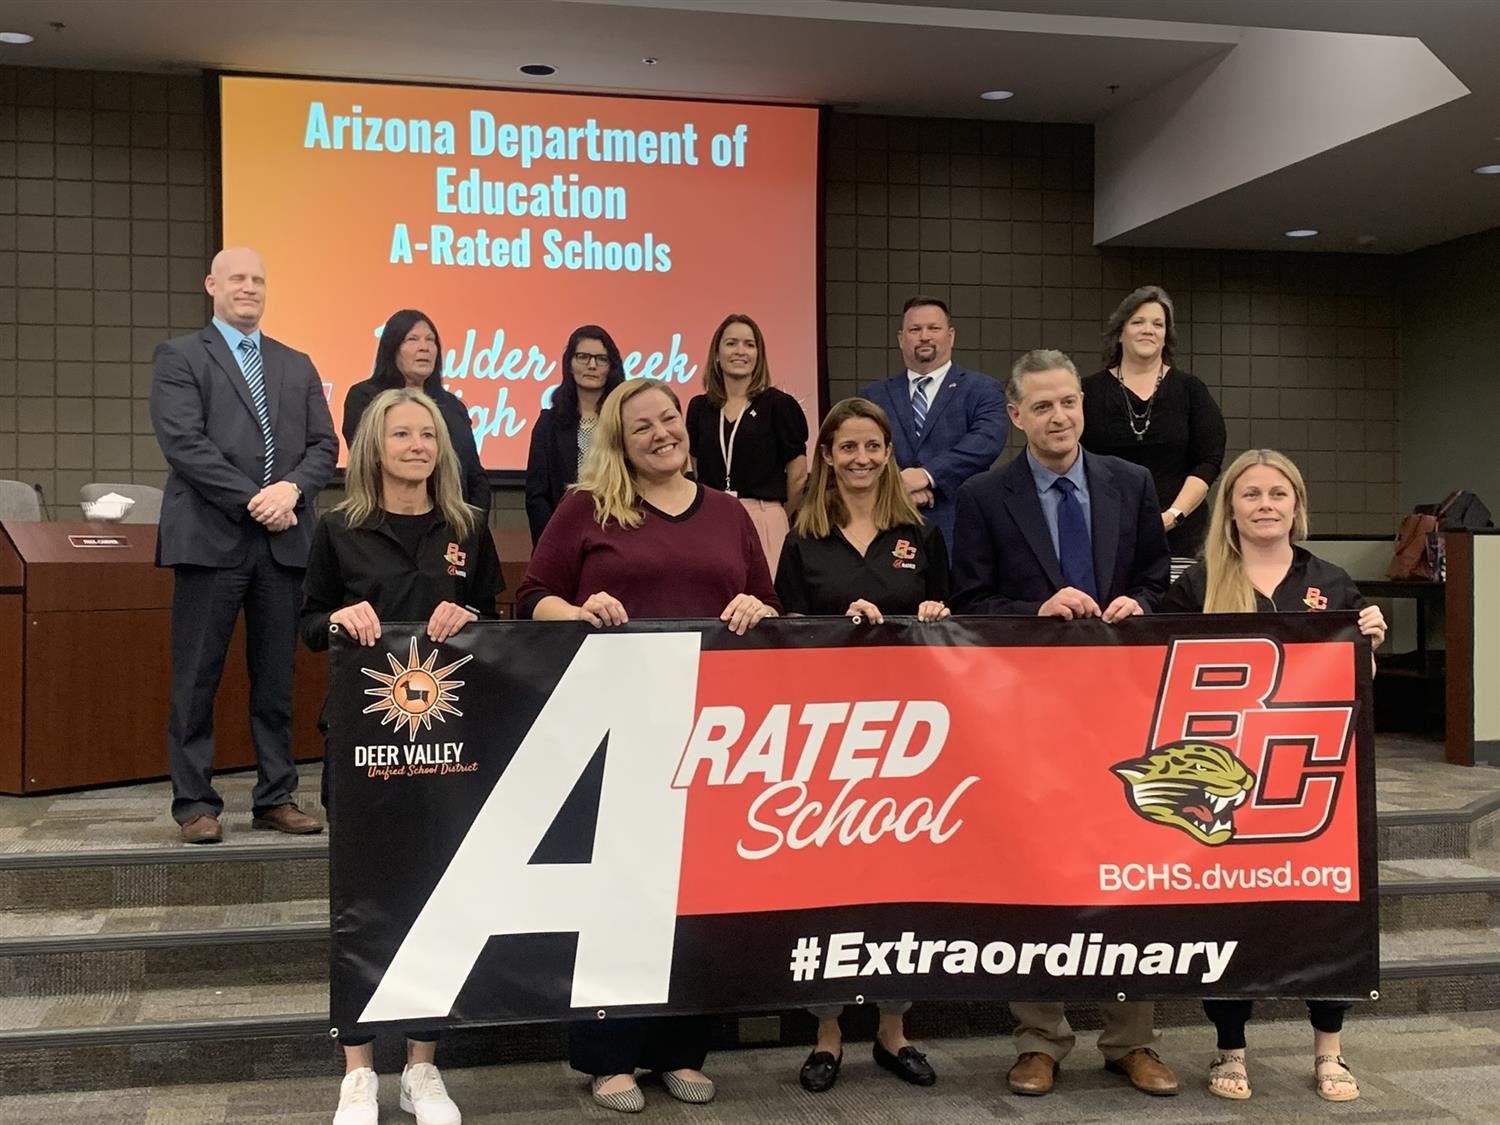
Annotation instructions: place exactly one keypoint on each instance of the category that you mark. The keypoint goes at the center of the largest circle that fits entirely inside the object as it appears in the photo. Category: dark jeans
(1231, 1016)
(631, 1043)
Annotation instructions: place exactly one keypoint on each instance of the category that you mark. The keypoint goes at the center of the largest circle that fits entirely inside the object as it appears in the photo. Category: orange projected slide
(513, 218)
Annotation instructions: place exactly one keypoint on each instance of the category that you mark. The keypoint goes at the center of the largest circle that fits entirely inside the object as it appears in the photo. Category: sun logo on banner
(415, 693)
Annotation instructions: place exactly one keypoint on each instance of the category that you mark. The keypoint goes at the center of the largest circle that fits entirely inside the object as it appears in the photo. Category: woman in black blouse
(748, 438)
(860, 549)
(410, 354)
(1143, 409)
(1251, 563)
(591, 368)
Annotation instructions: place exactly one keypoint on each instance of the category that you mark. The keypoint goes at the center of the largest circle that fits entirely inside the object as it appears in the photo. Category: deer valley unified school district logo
(415, 693)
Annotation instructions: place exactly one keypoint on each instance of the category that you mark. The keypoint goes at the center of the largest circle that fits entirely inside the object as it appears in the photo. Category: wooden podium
(85, 655)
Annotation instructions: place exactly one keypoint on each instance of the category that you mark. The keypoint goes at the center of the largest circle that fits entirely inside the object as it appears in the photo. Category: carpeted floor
(1416, 1069)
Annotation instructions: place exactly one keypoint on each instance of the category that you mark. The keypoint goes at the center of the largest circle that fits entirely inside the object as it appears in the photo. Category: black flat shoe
(820, 1071)
(908, 1064)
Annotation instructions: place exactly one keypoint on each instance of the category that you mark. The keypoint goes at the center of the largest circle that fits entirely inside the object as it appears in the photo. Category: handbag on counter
(1420, 551)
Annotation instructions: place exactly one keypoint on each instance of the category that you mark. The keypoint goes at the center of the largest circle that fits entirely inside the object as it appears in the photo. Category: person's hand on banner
(933, 611)
(1372, 625)
(448, 618)
(1070, 604)
(359, 621)
(860, 609)
(745, 612)
(1121, 608)
(602, 609)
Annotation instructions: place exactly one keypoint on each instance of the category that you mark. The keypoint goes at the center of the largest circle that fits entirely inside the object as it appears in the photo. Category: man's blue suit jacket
(965, 432)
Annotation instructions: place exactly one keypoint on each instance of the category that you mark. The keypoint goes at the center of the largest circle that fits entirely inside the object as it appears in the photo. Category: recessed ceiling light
(1487, 170)
(1301, 232)
(538, 70)
(649, 61)
(16, 37)
(997, 95)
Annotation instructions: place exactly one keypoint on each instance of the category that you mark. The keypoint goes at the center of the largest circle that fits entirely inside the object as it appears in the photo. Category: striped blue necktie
(919, 402)
(255, 377)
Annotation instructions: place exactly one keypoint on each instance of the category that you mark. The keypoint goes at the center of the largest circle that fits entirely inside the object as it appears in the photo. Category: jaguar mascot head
(1194, 786)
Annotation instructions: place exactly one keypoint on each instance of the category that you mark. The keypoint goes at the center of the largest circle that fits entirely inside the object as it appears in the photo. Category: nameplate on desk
(89, 541)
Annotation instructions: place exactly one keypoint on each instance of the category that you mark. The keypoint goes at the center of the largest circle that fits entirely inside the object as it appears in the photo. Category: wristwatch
(1177, 516)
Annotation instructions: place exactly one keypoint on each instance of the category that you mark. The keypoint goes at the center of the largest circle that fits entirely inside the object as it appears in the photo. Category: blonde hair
(607, 475)
(823, 508)
(1229, 589)
(713, 378)
(364, 480)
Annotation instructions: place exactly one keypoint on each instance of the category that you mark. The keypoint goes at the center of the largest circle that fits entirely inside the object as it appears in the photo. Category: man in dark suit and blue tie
(948, 423)
(249, 441)
(1057, 533)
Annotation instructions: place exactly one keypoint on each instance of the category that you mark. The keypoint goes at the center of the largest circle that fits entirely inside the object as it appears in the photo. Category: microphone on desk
(41, 499)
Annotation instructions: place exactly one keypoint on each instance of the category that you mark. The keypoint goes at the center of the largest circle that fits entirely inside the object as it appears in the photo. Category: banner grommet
(860, 999)
(1120, 996)
(333, 1033)
(600, 1014)
(1374, 994)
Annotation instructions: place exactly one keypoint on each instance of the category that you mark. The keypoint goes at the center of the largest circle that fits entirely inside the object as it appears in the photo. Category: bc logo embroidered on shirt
(454, 557)
(903, 553)
(1315, 599)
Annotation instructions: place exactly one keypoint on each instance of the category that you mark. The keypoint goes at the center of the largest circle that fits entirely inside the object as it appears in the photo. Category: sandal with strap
(1335, 1087)
(1228, 1068)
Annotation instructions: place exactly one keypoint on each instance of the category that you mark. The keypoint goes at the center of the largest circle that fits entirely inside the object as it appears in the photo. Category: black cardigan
(471, 474)
(551, 466)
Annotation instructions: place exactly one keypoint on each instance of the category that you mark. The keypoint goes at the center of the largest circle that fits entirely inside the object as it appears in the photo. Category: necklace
(1140, 420)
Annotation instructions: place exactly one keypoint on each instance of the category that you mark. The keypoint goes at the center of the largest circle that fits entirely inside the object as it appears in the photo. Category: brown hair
(713, 378)
(823, 508)
(1114, 327)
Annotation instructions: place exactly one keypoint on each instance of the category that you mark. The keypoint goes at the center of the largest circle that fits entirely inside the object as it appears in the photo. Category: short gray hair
(1034, 361)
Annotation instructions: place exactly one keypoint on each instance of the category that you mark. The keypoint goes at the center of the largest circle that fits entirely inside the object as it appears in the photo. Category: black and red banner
(540, 821)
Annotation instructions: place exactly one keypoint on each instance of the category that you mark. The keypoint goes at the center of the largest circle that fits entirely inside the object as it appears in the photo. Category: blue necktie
(255, 377)
(919, 402)
(1075, 550)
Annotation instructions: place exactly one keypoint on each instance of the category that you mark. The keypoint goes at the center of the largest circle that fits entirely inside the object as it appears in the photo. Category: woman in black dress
(1251, 564)
(748, 438)
(1145, 410)
(859, 548)
(591, 368)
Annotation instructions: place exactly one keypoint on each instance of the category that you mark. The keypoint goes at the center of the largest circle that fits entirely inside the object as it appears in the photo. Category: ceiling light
(1301, 232)
(997, 95)
(649, 61)
(538, 70)
(1487, 170)
(16, 37)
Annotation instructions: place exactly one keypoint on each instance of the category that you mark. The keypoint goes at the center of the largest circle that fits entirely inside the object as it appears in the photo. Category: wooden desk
(513, 545)
(85, 637)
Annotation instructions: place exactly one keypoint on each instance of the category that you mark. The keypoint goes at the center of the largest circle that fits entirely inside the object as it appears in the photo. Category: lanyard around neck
(726, 449)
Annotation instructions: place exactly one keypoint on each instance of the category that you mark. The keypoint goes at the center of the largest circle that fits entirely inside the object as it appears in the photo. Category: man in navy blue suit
(1057, 533)
(948, 423)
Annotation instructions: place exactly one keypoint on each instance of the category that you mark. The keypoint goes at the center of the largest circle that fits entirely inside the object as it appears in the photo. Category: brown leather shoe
(1033, 1075)
(201, 830)
(287, 818)
(1146, 1072)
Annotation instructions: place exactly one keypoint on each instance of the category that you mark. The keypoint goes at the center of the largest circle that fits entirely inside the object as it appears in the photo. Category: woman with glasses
(591, 368)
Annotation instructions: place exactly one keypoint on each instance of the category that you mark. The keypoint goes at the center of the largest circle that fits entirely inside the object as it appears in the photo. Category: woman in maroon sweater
(636, 538)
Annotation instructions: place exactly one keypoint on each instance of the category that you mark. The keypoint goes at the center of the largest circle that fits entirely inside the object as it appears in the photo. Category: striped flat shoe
(694, 1093)
(628, 1100)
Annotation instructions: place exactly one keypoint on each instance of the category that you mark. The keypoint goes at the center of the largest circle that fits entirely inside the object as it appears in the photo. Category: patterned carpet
(1415, 1069)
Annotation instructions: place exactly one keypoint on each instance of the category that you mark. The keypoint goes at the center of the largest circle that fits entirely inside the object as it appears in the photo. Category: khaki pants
(1044, 1028)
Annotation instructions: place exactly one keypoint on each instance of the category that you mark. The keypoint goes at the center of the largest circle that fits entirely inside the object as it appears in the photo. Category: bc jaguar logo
(1194, 786)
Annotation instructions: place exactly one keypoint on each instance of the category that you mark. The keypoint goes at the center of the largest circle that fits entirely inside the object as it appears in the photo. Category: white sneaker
(357, 1104)
(423, 1093)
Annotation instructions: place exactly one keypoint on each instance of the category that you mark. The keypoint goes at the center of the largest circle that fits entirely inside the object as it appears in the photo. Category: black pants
(1231, 1016)
(414, 1036)
(206, 601)
(623, 1046)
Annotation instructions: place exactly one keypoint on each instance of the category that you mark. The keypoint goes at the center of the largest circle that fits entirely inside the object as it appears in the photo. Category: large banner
(512, 218)
(539, 821)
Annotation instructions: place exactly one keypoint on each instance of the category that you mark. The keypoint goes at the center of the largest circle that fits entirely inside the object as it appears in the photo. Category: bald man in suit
(249, 441)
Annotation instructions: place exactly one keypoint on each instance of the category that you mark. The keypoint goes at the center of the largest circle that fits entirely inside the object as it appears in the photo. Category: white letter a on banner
(623, 905)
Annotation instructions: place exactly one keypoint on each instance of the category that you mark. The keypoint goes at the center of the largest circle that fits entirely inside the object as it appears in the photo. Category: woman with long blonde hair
(1252, 563)
(403, 546)
(636, 539)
